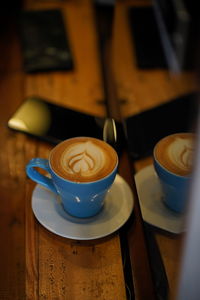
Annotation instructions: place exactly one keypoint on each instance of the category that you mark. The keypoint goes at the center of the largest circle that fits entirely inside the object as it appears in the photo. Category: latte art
(83, 158)
(181, 152)
(175, 153)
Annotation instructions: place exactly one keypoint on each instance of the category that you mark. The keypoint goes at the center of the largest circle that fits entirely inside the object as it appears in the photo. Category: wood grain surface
(36, 264)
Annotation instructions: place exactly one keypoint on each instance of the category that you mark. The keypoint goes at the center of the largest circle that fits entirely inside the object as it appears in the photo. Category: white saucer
(49, 212)
(153, 209)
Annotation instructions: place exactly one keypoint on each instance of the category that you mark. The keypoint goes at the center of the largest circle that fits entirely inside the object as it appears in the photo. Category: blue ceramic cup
(80, 199)
(172, 157)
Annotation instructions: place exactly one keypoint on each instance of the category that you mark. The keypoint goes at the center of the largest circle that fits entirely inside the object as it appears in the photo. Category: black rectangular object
(146, 38)
(145, 129)
(54, 123)
(44, 40)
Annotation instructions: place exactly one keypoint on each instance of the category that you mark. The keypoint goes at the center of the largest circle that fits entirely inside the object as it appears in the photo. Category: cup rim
(170, 172)
(85, 182)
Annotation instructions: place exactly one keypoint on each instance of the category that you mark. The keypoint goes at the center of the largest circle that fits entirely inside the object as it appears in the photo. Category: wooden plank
(31, 248)
(141, 269)
(12, 278)
(12, 254)
(81, 88)
(67, 268)
(79, 270)
(142, 89)
(135, 235)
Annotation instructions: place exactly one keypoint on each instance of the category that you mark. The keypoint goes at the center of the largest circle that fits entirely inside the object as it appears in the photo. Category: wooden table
(35, 263)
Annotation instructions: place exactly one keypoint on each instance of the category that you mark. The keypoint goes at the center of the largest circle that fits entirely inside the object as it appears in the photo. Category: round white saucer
(117, 208)
(153, 208)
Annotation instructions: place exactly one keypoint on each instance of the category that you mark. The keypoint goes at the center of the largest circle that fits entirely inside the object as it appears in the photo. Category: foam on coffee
(83, 159)
(175, 153)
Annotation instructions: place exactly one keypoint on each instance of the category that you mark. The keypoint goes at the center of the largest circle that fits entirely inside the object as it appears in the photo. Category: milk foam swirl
(84, 158)
(180, 152)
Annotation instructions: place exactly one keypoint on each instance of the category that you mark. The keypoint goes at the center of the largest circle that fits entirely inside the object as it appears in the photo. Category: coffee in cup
(173, 161)
(82, 169)
(83, 159)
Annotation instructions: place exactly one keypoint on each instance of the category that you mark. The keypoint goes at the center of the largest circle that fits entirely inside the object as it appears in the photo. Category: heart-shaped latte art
(83, 158)
(180, 152)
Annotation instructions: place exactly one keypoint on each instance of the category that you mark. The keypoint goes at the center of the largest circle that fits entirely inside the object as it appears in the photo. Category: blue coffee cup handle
(37, 177)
